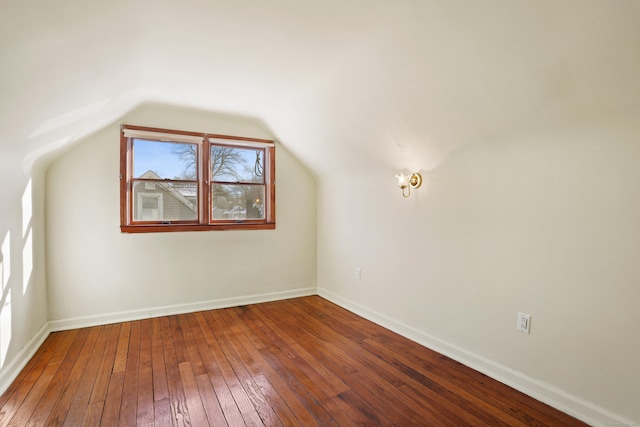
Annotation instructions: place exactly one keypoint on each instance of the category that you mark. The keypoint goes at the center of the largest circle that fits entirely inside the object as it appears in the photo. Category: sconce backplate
(415, 180)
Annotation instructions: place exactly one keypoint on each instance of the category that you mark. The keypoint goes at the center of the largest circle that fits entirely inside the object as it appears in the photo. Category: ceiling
(334, 80)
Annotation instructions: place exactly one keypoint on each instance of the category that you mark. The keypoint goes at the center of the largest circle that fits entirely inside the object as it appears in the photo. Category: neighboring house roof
(179, 193)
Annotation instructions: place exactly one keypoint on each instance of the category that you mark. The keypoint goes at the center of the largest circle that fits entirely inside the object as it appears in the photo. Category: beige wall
(547, 224)
(94, 270)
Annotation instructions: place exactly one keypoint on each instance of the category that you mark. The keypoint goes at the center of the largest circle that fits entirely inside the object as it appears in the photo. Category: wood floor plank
(129, 406)
(99, 392)
(195, 407)
(113, 401)
(298, 362)
(145, 407)
(120, 360)
(177, 399)
(93, 415)
(177, 335)
(159, 374)
(210, 401)
(162, 411)
(81, 399)
(193, 355)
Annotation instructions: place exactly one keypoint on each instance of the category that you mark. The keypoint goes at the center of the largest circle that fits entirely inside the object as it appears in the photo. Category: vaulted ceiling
(333, 80)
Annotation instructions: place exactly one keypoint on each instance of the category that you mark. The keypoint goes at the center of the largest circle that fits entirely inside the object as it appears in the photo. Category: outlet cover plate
(524, 323)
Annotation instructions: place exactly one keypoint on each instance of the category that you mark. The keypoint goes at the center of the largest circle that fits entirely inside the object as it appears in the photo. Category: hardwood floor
(303, 361)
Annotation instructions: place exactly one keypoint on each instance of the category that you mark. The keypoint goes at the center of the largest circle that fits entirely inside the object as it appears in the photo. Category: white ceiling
(334, 80)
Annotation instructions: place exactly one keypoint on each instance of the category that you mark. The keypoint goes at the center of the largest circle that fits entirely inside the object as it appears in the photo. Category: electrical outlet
(358, 273)
(524, 323)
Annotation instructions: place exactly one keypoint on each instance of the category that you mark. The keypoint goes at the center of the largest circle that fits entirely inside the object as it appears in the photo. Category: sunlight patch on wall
(27, 250)
(27, 209)
(27, 262)
(5, 328)
(5, 260)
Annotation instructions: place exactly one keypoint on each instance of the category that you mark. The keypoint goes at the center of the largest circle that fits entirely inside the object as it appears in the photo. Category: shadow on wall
(16, 251)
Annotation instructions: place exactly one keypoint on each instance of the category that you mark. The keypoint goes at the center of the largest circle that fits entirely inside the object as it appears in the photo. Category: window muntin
(174, 181)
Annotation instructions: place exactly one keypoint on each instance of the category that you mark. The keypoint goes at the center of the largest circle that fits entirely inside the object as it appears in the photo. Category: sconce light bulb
(402, 180)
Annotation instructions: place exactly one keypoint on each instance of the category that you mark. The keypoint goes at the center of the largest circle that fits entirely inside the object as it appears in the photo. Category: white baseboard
(147, 313)
(11, 370)
(579, 408)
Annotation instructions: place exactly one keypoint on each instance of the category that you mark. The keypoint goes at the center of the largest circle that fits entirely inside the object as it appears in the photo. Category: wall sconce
(407, 182)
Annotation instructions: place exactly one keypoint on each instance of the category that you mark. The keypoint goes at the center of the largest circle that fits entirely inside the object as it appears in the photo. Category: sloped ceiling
(336, 81)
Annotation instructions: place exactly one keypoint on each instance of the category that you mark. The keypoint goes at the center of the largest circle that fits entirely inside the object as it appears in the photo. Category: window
(187, 181)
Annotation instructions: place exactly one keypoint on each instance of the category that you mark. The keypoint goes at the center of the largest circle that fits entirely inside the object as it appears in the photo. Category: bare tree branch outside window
(225, 162)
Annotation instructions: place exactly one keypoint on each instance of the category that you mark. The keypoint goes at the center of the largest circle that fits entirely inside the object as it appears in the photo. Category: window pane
(159, 160)
(164, 201)
(231, 164)
(237, 202)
